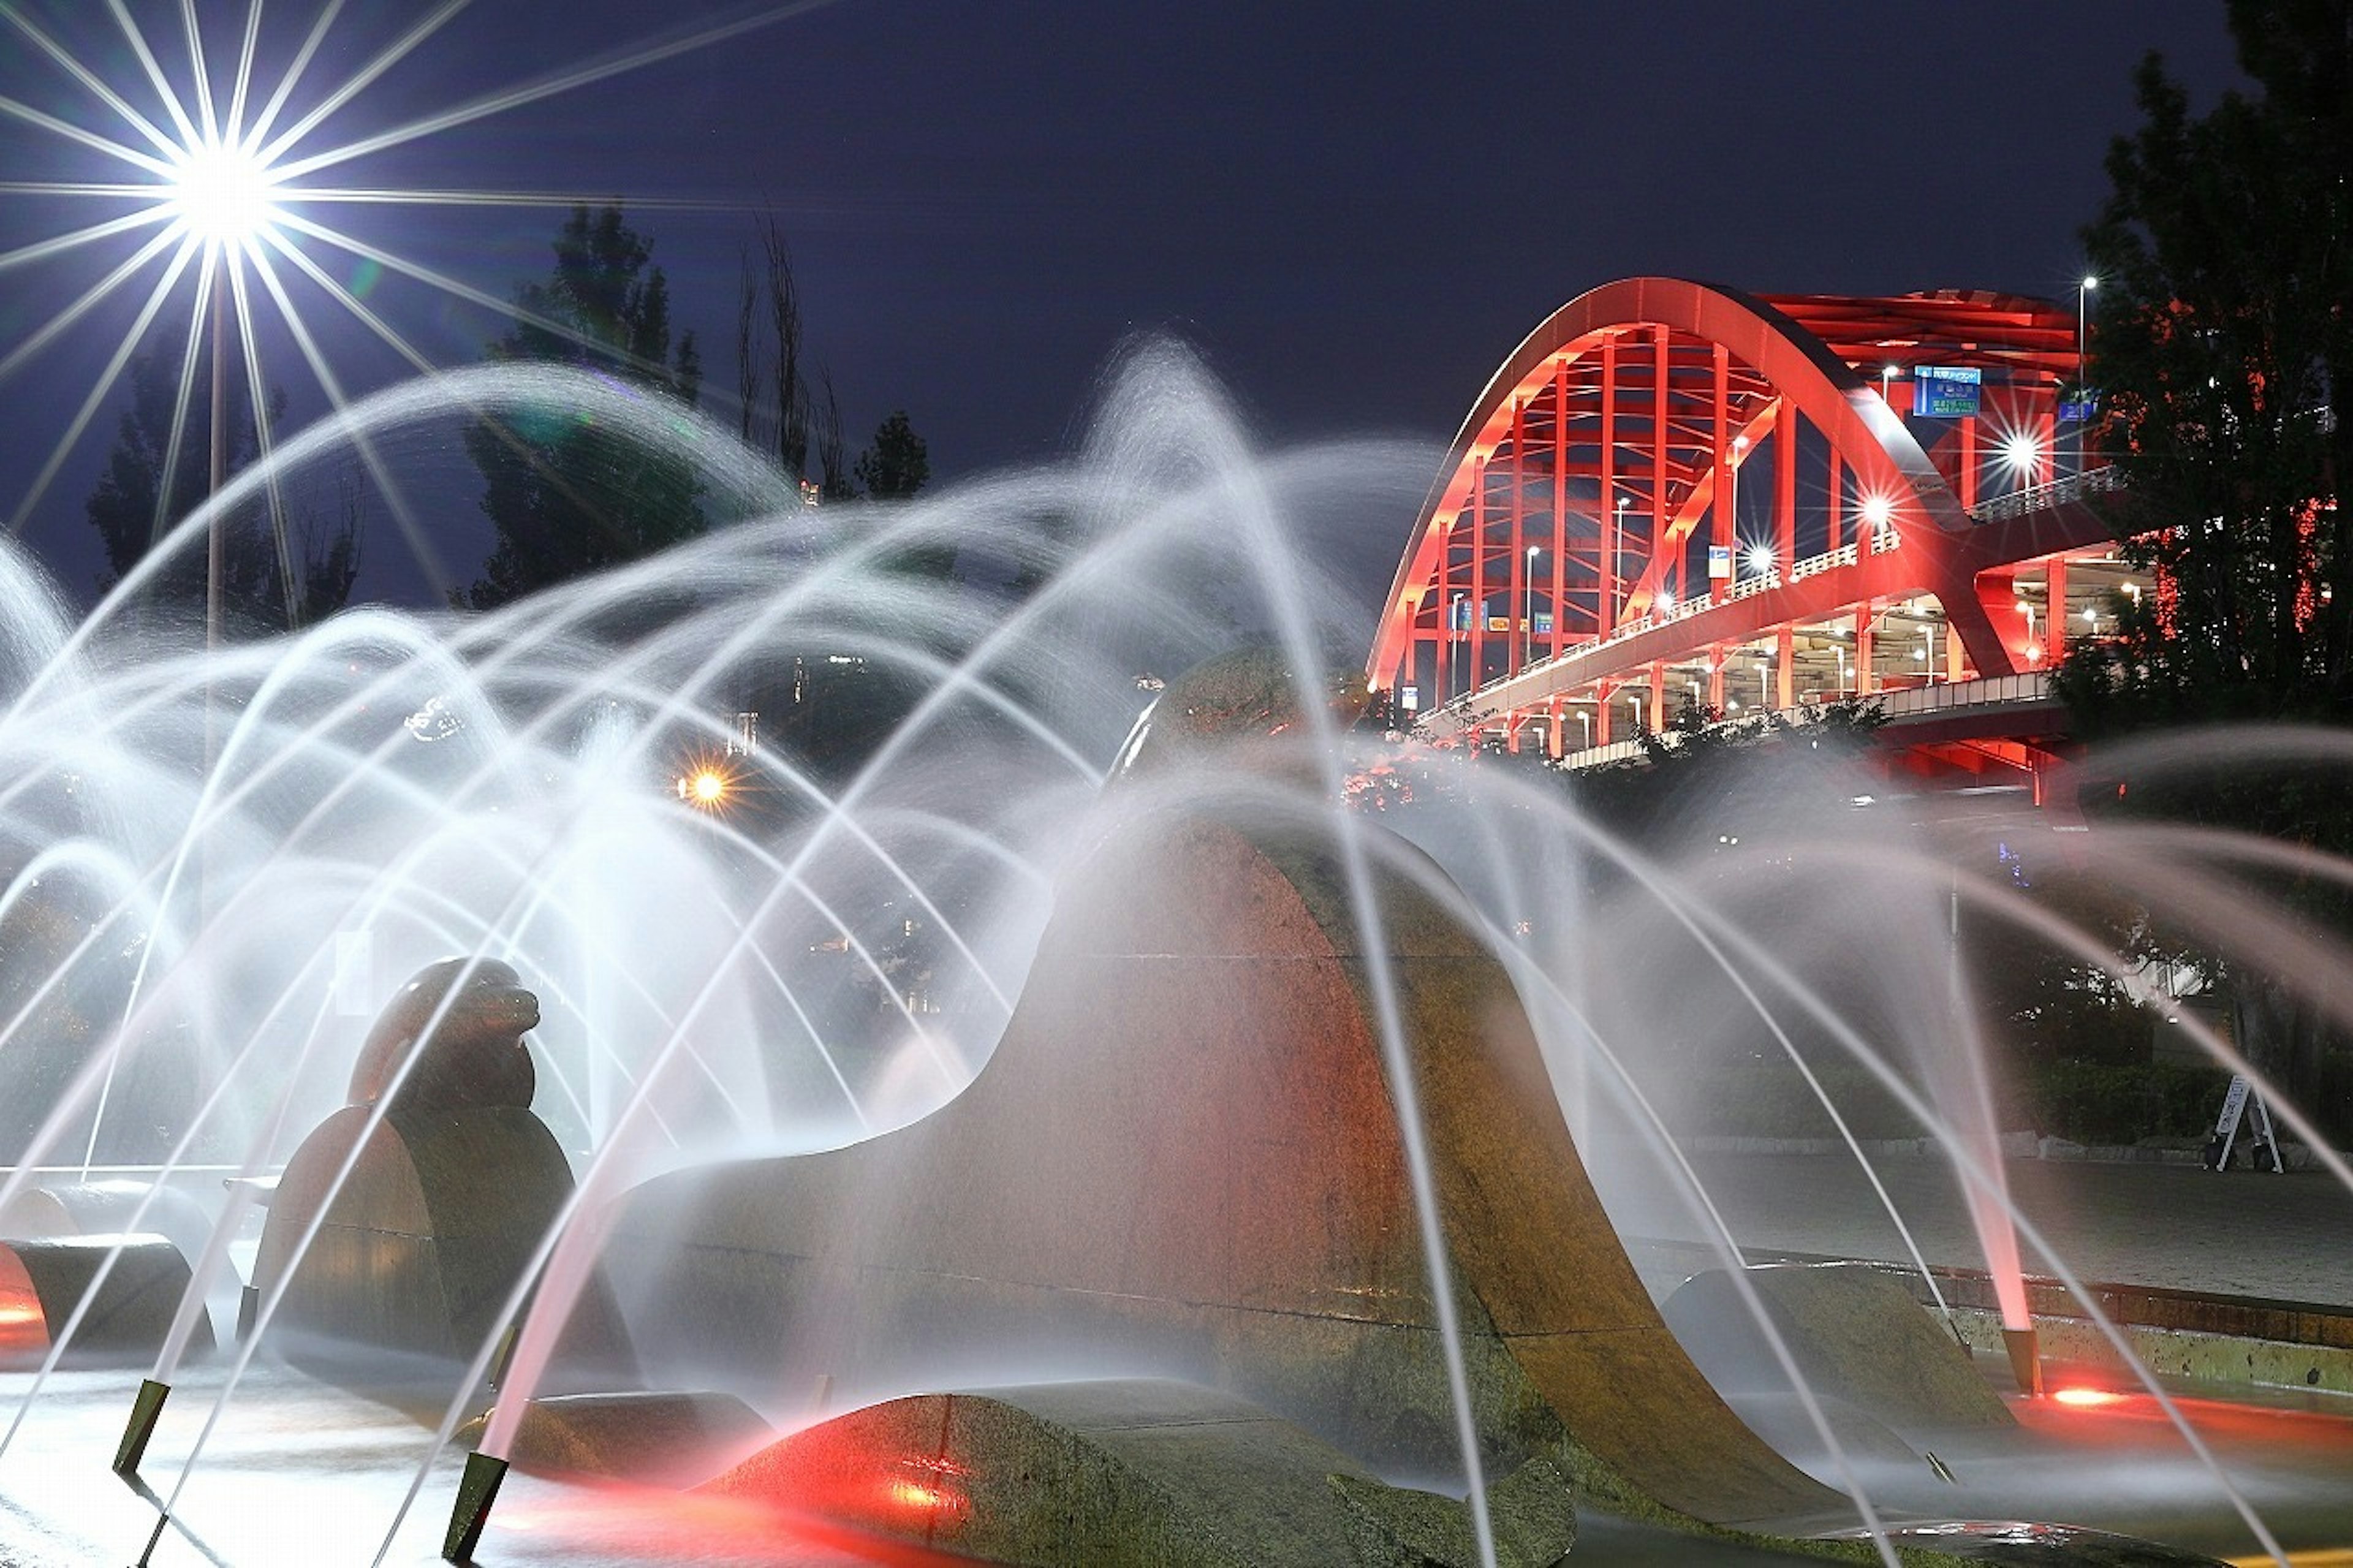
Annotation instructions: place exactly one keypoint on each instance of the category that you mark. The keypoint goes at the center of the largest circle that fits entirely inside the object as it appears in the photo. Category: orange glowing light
(706, 784)
(2086, 1398)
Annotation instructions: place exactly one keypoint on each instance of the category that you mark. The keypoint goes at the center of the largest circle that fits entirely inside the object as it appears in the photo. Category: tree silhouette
(569, 497)
(132, 508)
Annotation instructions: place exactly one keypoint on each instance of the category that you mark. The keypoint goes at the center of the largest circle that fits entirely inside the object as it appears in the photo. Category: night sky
(1351, 212)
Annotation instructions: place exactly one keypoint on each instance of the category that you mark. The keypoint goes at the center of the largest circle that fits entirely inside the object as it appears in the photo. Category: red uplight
(2086, 1398)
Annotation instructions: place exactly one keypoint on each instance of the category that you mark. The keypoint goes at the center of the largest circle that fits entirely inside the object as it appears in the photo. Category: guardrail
(2102, 480)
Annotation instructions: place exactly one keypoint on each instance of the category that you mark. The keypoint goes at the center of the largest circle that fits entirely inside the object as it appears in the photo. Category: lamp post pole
(1618, 566)
(2083, 368)
(1528, 632)
(216, 540)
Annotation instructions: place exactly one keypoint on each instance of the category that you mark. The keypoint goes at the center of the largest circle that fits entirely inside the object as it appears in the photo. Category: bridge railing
(1992, 691)
(1948, 697)
(2101, 480)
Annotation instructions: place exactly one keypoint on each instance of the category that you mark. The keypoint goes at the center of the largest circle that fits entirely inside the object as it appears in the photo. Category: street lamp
(1732, 484)
(1619, 567)
(1764, 683)
(2033, 649)
(1528, 634)
(1928, 651)
(2083, 341)
(228, 195)
(1887, 383)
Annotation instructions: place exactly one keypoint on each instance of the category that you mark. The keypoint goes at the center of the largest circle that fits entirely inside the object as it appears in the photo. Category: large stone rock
(1855, 1333)
(134, 1284)
(1133, 1474)
(1183, 1161)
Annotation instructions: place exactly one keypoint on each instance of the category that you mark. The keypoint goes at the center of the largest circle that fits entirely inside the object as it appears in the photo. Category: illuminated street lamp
(1620, 562)
(2083, 341)
(1528, 633)
(228, 195)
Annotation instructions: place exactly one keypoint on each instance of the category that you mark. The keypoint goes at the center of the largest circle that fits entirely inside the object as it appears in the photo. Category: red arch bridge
(1676, 491)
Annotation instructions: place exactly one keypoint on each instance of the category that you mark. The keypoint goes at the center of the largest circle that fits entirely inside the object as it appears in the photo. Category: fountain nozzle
(476, 1491)
(2025, 1359)
(145, 1410)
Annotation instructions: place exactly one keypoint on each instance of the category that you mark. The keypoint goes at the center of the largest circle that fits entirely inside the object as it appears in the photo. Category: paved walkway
(2286, 1237)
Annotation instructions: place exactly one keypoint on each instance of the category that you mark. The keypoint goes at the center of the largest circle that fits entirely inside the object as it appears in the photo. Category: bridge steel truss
(1675, 475)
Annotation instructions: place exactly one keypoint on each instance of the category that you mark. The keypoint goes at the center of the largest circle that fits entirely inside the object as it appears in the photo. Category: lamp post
(1887, 383)
(2082, 339)
(1732, 485)
(2083, 367)
(216, 536)
(1618, 567)
(1765, 684)
(1929, 653)
(1528, 633)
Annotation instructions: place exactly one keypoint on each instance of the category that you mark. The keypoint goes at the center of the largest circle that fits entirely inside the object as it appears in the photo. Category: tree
(131, 508)
(569, 497)
(893, 470)
(2224, 346)
(896, 466)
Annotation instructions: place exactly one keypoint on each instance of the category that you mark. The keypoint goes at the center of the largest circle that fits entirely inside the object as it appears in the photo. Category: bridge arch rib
(1589, 524)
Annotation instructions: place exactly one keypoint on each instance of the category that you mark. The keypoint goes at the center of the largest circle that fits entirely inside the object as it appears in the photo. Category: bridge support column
(1785, 682)
(1968, 486)
(1658, 699)
(1865, 649)
(1716, 676)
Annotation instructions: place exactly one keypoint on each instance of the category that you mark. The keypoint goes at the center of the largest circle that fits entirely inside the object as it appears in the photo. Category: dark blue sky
(1352, 211)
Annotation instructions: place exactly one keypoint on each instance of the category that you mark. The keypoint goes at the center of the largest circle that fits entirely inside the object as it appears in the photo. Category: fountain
(1097, 1124)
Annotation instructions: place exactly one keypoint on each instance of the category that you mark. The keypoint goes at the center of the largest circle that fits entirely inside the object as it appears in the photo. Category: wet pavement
(297, 1472)
(2286, 1237)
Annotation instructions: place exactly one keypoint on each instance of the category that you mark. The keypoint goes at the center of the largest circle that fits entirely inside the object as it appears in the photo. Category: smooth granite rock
(1126, 1474)
(1183, 1161)
(1855, 1334)
(42, 1284)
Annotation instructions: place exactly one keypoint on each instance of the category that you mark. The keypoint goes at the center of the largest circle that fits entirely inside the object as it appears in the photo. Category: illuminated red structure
(1675, 490)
